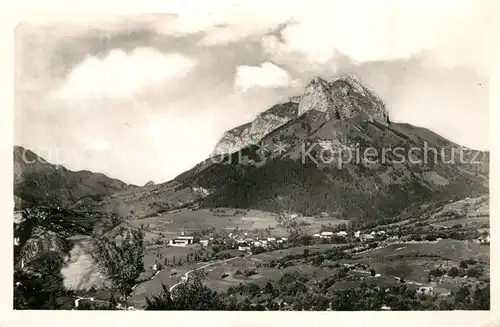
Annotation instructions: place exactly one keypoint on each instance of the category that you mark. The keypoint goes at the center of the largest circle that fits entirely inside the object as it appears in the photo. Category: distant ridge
(38, 182)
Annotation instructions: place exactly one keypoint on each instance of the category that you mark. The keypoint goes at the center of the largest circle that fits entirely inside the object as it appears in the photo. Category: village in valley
(242, 159)
(438, 252)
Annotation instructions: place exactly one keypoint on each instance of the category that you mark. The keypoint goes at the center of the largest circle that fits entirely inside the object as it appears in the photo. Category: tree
(191, 295)
(430, 237)
(462, 294)
(258, 249)
(474, 272)
(453, 272)
(372, 272)
(121, 263)
(482, 298)
(317, 260)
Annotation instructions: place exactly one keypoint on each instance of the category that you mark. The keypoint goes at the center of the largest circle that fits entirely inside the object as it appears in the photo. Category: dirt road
(186, 275)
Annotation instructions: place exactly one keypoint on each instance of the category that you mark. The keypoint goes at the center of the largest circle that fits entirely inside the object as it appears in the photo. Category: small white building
(367, 237)
(204, 242)
(182, 240)
(381, 232)
(316, 235)
(177, 242)
(244, 248)
(342, 233)
(484, 240)
(326, 234)
(373, 233)
(271, 239)
(357, 234)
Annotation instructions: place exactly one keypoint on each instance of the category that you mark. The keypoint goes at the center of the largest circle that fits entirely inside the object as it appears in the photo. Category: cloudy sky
(145, 97)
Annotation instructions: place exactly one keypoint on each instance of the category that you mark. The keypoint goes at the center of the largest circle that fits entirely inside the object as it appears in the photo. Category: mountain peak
(150, 183)
(343, 97)
(317, 80)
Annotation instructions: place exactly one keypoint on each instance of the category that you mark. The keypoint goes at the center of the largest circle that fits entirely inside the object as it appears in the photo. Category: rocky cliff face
(250, 133)
(341, 98)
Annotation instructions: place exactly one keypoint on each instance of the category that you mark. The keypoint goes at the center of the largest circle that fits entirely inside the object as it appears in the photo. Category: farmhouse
(484, 239)
(366, 237)
(243, 247)
(426, 290)
(182, 240)
(326, 234)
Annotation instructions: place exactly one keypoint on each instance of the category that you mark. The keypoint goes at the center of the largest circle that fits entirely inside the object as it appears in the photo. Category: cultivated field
(169, 225)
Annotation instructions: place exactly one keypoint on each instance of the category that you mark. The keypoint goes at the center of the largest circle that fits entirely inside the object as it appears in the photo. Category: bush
(437, 272)
(249, 272)
(474, 272)
(417, 238)
(430, 238)
(317, 260)
(453, 272)
(258, 249)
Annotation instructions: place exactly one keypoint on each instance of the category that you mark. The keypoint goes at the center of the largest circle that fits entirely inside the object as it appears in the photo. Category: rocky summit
(342, 98)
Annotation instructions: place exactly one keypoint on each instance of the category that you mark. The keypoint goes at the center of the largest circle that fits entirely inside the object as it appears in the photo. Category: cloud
(98, 144)
(267, 75)
(122, 74)
(452, 32)
(225, 25)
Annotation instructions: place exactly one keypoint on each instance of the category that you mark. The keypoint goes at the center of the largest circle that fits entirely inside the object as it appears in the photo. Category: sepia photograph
(254, 158)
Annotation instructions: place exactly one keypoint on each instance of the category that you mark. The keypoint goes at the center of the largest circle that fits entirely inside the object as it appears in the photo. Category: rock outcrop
(343, 98)
(250, 133)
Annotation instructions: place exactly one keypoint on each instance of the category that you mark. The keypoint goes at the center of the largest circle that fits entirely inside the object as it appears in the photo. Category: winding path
(183, 279)
(186, 275)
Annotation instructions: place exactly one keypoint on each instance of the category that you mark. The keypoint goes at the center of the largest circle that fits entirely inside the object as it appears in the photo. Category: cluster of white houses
(247, 243)
(357, 234)
(330, 234)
